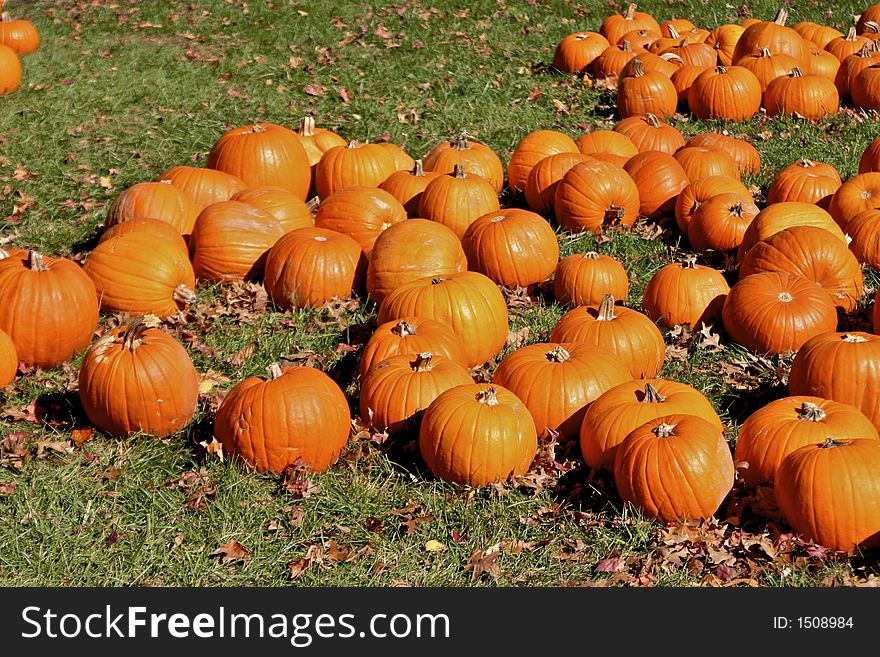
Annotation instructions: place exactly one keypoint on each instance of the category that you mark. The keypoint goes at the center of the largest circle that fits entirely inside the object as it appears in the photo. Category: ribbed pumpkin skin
(774, 36)
(743, 152)
(723, 39)
(701, 162)
(407, 187)
(648, 133)
(594, 193)
(851, 66)
(685, 293)
(629, 334)
(644, 92)
(141, 273)
(779, 216)
(300, 416)
(21, 36)
(613, 27)
(808, 251)
(168, 233)
(610, 64)
(411, 336)
(533, 148)
(410, 250)
(204, 186)
(641, 38)
(317, 141)
(230, 241)
(700, 191)
(809, 96)
(821, 35)
(395, 389)
(870, 157)
(307, 267)
(797, 182)
(777, 429)
(402, 160)
(264, 154)
(777, 312)
(8, 360)
(138, 379)
(682, 79)
(606, 141)
(457, 200)
(474, 157)
(659, 178)
(557, 382)
(683, 476)
(859, 193)
(575, 52)
(48, 306)
(844, 367)
(354, 165)
(731, 93)
(766, 66)
(628, 405)
(583, 279)
(865, 88)
(513, 247)
(831, 495)
(287, 208)
(467, 439)
(864, 229)
(10, 70)
(720, 223)
(824, 63)
(545, 177)
(469, 302)
(361, 213)
(156, 200)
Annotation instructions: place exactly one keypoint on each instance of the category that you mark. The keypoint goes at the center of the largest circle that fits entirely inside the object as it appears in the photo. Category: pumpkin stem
(166, 182)
(663, 430)
(673, 34)
(806, 164)
(781, 16)
(3, 254)
(404, 329)
(606, 309)
(796, 72)
(256, 128)
(459, 172)
(131, 336)
(437, 280)
(630, 12)
(613, 213)
(422, 363)
(810, 411)
(489, 396)
(558, 354)
(273, 372)
(418, 169)
(307, 126)
(591, 255)
(873, 26)
(626, 46)
(763, 52)
(737, 209)
(354, 143)
(313, 204)
(851, 34)
(690, 262)
(852, 337)
(830, 443)
(460, 143)
(36, 262)
(786, 297)
(182, 294)
(652, 120)
(638, 69)
(652, 395)
(866, 49)
(672, 57)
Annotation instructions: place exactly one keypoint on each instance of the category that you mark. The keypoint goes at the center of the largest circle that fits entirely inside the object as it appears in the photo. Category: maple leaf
(484, 561)
(297, 568)
(79, 436)
(232, 551)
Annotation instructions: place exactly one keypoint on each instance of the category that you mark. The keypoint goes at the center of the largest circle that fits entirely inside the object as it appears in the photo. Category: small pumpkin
(801, 94)
(859, 193)
(10, 70)
(410, 336)
(659, 178)
(575, 52)
(730, 93)
(545, 177)
(290, 211)
(646, 92)
(583, 279)
(702, 161)
(701, 190)
(720, 223)
(594, 194)
(616, 25)
(685, 293)
(648, 133)
(801, 182)
(533, 148)
(407, 186)
(20, 35)
(352, 165)
(474, 157)
(362, 212)
(155, 200)
(203, 186)
(457, 200)
(743, 152)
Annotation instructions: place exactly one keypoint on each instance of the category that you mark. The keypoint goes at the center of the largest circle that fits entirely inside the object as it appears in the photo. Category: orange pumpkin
(594, 194)
(204, 186)
(155, 200)
(411, 336)
(457, 200)
(361, 212)
(533, 148)
(290, 211)
(583, 279)
(353, 165)
(474, 158)
(8, 360)
(685, 293)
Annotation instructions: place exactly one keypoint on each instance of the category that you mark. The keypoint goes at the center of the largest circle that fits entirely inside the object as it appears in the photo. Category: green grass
(119, 92)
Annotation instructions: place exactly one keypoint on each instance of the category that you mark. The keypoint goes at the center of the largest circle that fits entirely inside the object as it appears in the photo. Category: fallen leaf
(484, 561)
(434, 546)
(314, 89)
(79, 436)
(232, 551)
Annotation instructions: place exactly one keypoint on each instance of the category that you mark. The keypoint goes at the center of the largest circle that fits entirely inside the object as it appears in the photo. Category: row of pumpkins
(430, 244)
(17, 37)
(733, 70)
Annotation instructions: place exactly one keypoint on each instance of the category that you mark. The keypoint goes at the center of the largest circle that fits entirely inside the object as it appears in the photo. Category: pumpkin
(859, 193)
(720, 223)
(474, 157)
(457, 200)
(830, 491)
(264, 154)
(646, 92)
(361, 212)
(407, 186)
(616, 25)
(138, 379)
(629, 334)
(777, 429)
(156, 200)
(824, 63)
(819, 34)
(841, 366)
(776, 312)
(8, 360)
(683, 79)
(870, 14)
(845, 45)
(230, 241)
(626, 406)
(693, 53)
(801, 94)
(583, 279)
(293, 415)
(676, 467)
(575, 52)
(477, 434)
(317, 141)
(766, 66)
(673, 27)
(290, 211)
(469, 302)
(544, 178)
(533, 148)
(800, 182)
(141, 273)
(513, 247)
(411, 336)
(851, 66)
(870, 157)
(10, 70)
(308, 267)
(397, 389)
(780, 216)
(352, 165)
(703, 161)
(685, 293)
(648, 62)
(865, 88)
(610, 64)
(723, 40)
(701, 190)
(730, 93)
(48, 307)
(864, 234)
(743, 152)
(203, 186)
(557, 382)
(410, 250)
(649, 133)
(403, 161)
(594, 194)
(606, 141)
(19, 35)
(809, 252)
(775, 37)
(168, 233)
(641, 38)
(659, 178)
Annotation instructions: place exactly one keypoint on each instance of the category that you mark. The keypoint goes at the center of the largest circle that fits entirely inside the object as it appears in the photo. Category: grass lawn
(121, 91)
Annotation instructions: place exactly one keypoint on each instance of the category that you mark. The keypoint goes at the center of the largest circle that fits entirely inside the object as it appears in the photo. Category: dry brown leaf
(232, 551)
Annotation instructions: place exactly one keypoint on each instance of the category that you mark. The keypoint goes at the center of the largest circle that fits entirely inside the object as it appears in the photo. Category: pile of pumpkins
(315, 217)
(17, 38)
(732, 71)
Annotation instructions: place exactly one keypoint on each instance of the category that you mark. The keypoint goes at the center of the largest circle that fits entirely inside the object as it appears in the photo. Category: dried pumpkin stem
(606, 309)
(182, 294)
(307, 126)
(830, 443)
(558, 354)
(36, 262)
(673, 33)
(3, 254)
(459, 172)
(273, 372)
(418, 169)
(630, 12)
(851, 337)
(256, 128)
(354, 143)
(591, 255)
(664, 430)
(489, 396)
(652, 120)
(134, 330)
(811, 412)
(851, 34)
(638, 70)
(652, 395)
(460, 143)
(422, 363)
(781, 16)
(690, 262)
(404, 329)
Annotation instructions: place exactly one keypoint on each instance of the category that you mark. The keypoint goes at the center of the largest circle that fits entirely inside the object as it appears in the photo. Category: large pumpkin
(649, 133)
(593, 195)
(575, 52)
(356, 164)
(583, 279)
(533, 148)
(720, 223)
(544, 178)
(361, 212)
(457, 200)
(779, 216)
(474, 158)
(204, 186)
(700, 191)
(685, 293)
(155, 200)
(731, 93)
(659, 178)
(774, 36)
